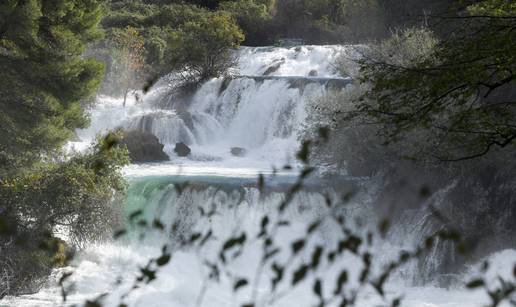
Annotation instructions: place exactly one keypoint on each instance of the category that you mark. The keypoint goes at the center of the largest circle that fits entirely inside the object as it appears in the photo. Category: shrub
(201, 48)
(79, 195)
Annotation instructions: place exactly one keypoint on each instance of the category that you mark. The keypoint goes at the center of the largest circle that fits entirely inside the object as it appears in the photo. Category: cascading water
(260, 113)
(260, 107)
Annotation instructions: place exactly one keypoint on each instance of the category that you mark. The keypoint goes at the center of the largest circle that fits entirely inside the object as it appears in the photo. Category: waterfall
(261, 106)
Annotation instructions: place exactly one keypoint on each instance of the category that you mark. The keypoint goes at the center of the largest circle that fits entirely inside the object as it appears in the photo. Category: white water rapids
(261, 108)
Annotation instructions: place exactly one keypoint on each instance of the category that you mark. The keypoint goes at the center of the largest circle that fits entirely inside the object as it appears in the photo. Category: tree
(44, 78)
(460, 93)
(254, 17)
(45, 82)
(201, 49)
(129, 58)
(83, 195)
(329, 21)
(158, 24)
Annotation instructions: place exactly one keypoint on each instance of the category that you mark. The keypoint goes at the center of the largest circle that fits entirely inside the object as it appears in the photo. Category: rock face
(182, 150)
(238, 151)
(143, 147)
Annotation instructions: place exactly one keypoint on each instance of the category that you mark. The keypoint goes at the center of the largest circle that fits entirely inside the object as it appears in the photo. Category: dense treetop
(44, 77)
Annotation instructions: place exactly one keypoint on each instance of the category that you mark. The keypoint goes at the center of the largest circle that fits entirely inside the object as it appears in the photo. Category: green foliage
(81, 195)
(493, 8)
(254, 17)
(44, 78)
(328, 21)
(201, 48)
(166, 26)
(45, 81)
(457, 92)
(76, 193)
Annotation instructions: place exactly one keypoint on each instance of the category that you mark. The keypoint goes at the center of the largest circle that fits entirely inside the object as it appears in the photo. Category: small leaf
(396, 302)
(234, 241)
(343, 278)
(164, 259)
(239, 284)
(331, 256)
(147, 273)
(230, 243)
(195, 237)
(271, 253)
(265, 221)
(298, 246)
(263, 226)
(91, 304)
(206, 238)
(318, 288)
(278, 270)
(283, 223)
(316, 257)
(313, 227)
(300, 274)
(475, 283)
(158, 224)
(304, 152)
(119, 233)
(135, 214)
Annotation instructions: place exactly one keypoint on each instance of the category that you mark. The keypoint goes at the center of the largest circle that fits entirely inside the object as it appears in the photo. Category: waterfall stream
(261, 107)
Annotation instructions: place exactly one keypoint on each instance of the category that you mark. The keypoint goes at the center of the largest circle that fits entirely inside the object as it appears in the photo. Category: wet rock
(182, 150)
(238, 151)
(274, 67)
(299, 83)
(143, 147)
(225, 83)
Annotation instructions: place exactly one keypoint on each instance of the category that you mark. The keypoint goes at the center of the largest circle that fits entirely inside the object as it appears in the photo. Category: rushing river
(262, 108)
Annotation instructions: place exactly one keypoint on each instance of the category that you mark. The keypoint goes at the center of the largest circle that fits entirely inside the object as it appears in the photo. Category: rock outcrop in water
(143, 147)
(238, 151)
(182, 149)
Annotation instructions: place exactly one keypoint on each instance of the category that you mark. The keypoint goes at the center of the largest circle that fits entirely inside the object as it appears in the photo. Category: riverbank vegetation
(45, 85)
(435, 111)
